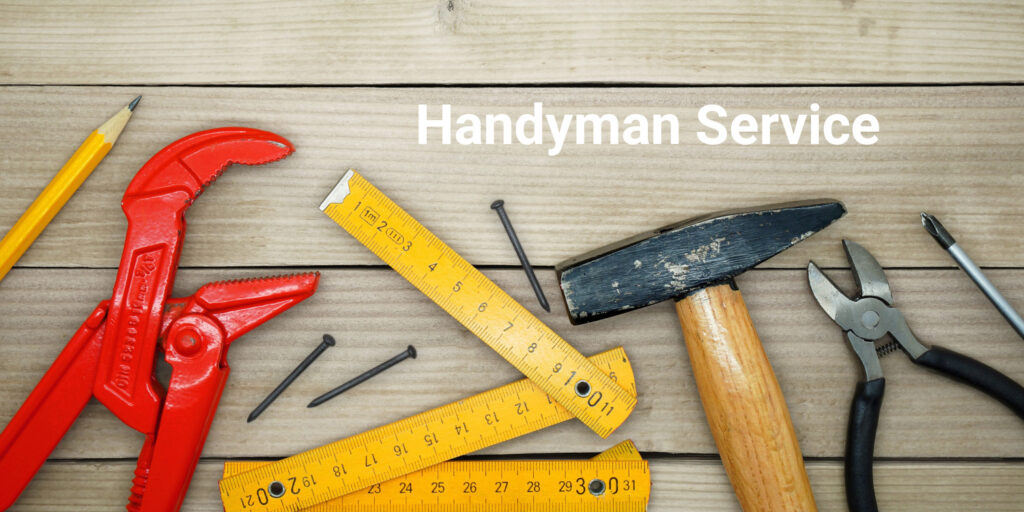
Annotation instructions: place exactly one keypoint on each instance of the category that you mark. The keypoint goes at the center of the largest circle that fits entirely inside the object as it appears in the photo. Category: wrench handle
(195, 348)
(743, 402)
(50, 409)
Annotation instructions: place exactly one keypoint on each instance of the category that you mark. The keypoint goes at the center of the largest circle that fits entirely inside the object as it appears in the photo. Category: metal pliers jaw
(868, 317)
(865, 319)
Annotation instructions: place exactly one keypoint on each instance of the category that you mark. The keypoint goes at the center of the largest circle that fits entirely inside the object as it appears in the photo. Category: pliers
(111, 357)
(865, 319)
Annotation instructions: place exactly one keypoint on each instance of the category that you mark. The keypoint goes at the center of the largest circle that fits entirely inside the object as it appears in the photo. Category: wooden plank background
(953, 150)
(495, 41)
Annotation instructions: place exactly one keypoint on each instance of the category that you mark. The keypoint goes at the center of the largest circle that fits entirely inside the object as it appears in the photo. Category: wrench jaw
(240, 305)
(197, 332)
(194, 162)
(155, 203)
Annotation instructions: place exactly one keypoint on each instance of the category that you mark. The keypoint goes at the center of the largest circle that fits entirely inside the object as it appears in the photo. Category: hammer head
(673, 261)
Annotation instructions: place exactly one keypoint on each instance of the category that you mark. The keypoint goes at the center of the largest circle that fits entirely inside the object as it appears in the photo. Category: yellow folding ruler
(478, 304)
(617, 479)
(408, 445)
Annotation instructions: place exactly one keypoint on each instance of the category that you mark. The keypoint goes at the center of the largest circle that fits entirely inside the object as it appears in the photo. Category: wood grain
(374, 313)
(953, 151)
(677, 484)
(494, 41)
(743, 402)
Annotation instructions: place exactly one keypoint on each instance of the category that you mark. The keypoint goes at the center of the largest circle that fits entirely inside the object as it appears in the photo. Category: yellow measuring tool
(616, 480)
(408, 445)
(478, 304)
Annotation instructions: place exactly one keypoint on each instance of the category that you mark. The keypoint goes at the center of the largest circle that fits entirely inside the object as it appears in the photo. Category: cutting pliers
(869, 317)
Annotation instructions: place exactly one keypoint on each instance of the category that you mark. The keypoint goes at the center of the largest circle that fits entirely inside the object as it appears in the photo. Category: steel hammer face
(671, 262)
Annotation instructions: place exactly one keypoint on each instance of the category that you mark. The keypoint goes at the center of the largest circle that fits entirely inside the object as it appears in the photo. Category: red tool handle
(194, 348)
(50, 409)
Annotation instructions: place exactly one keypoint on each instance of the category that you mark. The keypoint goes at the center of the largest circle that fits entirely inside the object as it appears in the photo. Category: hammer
(694, 263)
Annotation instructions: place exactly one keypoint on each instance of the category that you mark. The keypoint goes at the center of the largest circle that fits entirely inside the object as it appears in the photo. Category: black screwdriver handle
(976, 374)
(860, 446)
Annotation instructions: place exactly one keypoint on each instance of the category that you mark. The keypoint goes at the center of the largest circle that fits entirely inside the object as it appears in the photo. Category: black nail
(327, 342)
(499, 206)
(409, 352)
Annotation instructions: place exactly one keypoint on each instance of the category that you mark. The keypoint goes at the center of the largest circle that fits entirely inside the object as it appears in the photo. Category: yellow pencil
(61, 187)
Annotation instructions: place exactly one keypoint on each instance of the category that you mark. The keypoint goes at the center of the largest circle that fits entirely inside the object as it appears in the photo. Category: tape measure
(342, 467)
(478, 304)
(617, 479)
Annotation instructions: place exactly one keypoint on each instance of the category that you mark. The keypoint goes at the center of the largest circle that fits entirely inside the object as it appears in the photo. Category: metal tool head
(871, 282)
(869, 315)
(154, 204)
(240, 305)
(675, 260)
(190, 164)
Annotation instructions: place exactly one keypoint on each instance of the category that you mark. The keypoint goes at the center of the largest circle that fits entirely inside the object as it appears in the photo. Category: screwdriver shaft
(938, 231)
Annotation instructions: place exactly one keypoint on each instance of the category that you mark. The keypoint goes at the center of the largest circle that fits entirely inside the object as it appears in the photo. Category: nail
(499, 206)
(327, 342)
(409, 352)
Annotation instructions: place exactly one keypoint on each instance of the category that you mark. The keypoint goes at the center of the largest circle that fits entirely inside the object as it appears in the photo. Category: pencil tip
(131, 106)
(250, 418)
(313, 404)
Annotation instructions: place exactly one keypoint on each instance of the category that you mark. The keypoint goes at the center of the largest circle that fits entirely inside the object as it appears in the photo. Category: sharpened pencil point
(131, 106)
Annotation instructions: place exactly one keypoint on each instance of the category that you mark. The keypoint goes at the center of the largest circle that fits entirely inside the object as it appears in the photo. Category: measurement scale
(478, 304)
(408, 445)
(615, 480)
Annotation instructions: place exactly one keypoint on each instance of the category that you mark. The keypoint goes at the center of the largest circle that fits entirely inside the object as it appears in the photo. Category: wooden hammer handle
(743, 402)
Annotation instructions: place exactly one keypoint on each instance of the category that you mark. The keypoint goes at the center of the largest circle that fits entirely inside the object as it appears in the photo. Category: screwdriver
(939, 233)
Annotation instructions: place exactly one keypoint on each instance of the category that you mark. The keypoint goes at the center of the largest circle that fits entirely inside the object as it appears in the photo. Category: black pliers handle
(865, 319)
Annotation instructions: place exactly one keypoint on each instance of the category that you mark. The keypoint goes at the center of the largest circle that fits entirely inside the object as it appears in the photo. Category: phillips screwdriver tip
(937, 230)
(134, 103)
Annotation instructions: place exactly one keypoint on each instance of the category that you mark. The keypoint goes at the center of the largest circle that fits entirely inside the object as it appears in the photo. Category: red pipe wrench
(112, 354)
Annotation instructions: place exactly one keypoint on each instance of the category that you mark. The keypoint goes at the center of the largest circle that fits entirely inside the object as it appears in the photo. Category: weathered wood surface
(953, 151)
(374, 313)
(677, 484)
(487, 41)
